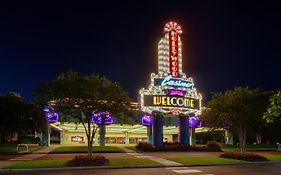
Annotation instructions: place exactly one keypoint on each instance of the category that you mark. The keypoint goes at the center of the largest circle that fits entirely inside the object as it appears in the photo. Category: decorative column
(192, 136)
(102, 130)
(127, 140)
(46, 134)
(149, 134)
(61, 137)
(183, 130)
(102, 135)
(157, 130)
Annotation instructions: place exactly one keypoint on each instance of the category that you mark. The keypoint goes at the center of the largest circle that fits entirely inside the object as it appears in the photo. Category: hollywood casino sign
(170, 90)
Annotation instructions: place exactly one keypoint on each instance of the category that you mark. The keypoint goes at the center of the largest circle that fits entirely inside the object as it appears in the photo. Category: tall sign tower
(170, 92)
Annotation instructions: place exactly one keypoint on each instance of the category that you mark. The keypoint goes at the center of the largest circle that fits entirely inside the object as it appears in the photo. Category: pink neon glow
(176, 92)
(174, 59)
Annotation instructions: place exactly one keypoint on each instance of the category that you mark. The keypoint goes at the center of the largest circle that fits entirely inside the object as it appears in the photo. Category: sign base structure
(157, 130)
(170, 92)
(183, 130)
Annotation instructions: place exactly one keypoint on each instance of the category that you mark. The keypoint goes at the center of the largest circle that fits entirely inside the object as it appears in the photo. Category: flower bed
(97, 160)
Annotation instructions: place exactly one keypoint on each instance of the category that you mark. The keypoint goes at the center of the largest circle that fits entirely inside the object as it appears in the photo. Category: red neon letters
(174, 61)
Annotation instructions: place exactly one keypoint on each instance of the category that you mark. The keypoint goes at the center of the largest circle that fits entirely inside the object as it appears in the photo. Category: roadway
(245, 169)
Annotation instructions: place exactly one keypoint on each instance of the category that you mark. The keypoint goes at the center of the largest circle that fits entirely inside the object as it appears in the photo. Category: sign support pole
(183, 130)
(157, 130)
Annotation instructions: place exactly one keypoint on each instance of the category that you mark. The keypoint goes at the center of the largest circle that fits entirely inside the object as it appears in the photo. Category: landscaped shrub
(144, 147)
(213, 146)
(88, 161)
(244, 156)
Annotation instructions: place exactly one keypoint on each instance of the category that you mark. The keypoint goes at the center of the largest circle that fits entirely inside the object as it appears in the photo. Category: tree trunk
(242, 139)
(228, 137)
(258, 138)
(90, 147)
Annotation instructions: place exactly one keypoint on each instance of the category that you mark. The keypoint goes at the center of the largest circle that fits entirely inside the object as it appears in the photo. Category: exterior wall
(114, 138)
(117, 134)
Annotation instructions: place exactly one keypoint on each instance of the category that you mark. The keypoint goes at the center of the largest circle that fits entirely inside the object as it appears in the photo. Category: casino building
(169, 106)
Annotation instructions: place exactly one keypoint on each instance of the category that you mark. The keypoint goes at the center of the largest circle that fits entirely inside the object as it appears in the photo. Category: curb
(123, 167)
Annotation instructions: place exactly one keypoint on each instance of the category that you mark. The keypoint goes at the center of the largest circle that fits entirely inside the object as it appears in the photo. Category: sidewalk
(162, 161)
(35, 155)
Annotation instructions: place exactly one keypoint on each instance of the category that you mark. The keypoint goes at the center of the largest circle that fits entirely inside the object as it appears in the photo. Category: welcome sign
(170, 101)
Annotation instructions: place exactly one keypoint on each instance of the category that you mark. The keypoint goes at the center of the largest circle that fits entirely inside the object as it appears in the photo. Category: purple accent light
(50, 114)
(176, 92)
(193, 122)
(146, 120)
(98, 116)
(226, 125)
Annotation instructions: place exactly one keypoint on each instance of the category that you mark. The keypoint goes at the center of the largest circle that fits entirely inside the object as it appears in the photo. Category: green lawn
(12, 149)
(203, 160)
(274, 157)
(62, 163)
(8, 148)
(83, 149)
(132, 148)
(37, 164)
(260, 147)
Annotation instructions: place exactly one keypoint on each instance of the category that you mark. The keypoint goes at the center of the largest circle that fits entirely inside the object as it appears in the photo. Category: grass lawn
(132, 148)
(12, 149)
(62, 163)
(203, 160)
(274, 157)
(37, 164)
(8, 149)
(260, 147)
(83, 149)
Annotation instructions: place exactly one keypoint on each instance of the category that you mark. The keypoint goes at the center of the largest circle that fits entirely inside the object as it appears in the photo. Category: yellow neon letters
(173, 101)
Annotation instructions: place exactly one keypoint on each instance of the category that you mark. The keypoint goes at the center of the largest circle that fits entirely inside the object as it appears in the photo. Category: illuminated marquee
(170, 91)
(171, 101)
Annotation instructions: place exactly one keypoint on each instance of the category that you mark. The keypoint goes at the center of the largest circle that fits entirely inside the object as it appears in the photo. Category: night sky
(225, 43)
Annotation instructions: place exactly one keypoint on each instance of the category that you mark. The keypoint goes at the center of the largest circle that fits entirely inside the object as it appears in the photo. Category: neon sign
(176, 92)
(174, 59)
(171, 102)
(170, 90)
(173, 82)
